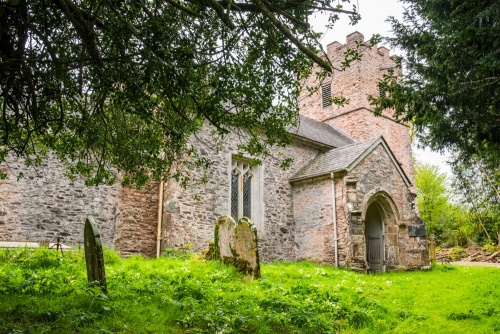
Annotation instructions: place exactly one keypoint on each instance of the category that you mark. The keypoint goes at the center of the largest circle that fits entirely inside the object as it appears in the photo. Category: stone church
(347, 199)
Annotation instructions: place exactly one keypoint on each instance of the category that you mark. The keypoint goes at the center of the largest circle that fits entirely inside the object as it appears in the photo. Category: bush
(456, 253)
(490, 248)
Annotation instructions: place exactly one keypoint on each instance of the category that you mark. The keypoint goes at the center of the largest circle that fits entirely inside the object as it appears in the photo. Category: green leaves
(432, 195)
(450, 89)
(119, 88)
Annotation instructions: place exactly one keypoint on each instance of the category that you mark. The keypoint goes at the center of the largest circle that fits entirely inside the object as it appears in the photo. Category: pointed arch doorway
(374, 237)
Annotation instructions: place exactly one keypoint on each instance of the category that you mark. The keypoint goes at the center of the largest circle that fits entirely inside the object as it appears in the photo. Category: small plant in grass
(469, 314)
(111, 257)
(183, 253)
(443, 267)
(496, 326)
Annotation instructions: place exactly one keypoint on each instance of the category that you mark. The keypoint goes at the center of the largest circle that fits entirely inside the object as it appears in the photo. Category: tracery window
(242, 175)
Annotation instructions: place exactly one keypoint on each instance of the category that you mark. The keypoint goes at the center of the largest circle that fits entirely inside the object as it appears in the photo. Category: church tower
(356, 83)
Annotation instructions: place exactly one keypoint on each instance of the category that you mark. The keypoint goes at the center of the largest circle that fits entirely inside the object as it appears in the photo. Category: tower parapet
(356, 83)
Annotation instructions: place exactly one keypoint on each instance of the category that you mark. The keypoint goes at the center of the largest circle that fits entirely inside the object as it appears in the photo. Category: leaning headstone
(236, 244)
(94, 257)
(224, 236)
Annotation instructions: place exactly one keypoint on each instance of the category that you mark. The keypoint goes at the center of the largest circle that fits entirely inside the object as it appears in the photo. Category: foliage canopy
(432, 194)
(451, 91)
(478, 185)
(123, 85)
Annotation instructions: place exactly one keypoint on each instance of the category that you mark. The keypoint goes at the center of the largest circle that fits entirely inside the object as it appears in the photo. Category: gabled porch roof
(344, 158)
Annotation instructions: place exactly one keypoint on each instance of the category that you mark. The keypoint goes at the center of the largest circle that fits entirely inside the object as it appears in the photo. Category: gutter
(160, 214)
(334, 218)
(315, 176)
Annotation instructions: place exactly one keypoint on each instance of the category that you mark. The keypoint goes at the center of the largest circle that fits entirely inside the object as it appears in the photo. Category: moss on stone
(209, 254)
(241, 248)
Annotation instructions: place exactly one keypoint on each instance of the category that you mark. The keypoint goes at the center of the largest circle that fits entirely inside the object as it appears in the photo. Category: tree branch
(219, 10)
(317, 59)
(248, 7)
(76, 17)
(184, 9)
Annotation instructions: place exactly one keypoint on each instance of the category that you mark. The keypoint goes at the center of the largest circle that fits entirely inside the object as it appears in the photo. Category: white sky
(373, 17)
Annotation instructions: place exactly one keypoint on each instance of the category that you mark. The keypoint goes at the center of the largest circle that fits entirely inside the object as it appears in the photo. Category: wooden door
(375, 253)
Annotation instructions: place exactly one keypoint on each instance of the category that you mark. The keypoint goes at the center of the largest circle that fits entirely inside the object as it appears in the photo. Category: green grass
(42, 292)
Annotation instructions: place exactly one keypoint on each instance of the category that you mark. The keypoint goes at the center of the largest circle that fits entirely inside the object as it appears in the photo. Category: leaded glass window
(241, 190)
(234, 195)
(247, 195)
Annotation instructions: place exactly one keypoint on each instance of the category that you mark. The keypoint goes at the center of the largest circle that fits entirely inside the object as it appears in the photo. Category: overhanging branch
(308, 52)
(249, 7)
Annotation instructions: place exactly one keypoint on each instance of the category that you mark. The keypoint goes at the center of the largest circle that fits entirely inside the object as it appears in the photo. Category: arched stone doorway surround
(380, 217)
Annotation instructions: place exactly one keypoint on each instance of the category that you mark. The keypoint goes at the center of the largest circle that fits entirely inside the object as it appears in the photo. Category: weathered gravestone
(236, 244)
(94, 257)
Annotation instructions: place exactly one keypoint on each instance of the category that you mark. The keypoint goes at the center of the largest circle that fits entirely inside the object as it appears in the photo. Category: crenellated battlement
(356, 83)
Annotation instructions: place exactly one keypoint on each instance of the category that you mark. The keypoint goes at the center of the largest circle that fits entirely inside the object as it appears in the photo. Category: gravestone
(94, 257)
(236, 244)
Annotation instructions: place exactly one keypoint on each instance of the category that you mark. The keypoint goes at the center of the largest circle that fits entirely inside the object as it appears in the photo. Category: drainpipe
(160, 214)
(334, 218)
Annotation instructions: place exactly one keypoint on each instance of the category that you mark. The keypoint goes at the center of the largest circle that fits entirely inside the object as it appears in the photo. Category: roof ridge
(344, 158)
(319, 132)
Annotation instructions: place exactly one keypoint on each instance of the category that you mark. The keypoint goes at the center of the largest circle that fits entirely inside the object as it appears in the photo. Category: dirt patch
(469, 263)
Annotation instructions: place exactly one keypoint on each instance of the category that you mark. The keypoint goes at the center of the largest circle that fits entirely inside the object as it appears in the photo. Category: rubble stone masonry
(44, 204)
(356, 83)
(380, 183)
(190, 214)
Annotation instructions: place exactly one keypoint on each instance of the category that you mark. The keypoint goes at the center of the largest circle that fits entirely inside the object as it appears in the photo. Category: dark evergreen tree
(451, 89)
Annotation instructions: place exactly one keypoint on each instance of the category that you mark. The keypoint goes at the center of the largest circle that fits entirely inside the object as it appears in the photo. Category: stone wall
(374, 181)
(44, 204)
(356, 83)
(361, 124)
(137, 220)
(379, 183)
(190, 214)
(314, 231)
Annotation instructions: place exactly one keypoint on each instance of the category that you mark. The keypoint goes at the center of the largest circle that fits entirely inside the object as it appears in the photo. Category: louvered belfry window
(241, 190)
(381, 90)
(326, 94)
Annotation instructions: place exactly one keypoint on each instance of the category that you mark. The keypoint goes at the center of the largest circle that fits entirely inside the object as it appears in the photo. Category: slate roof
(321, 133)
(343, 158)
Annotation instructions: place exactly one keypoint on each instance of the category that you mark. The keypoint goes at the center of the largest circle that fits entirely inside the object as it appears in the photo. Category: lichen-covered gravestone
(236, 244)
(94, 257)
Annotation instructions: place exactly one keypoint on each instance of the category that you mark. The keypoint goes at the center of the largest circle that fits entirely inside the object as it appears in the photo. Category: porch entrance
(374, 235)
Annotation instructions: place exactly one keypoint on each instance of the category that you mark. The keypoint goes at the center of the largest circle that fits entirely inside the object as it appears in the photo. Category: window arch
(245, 191)
(241, 190)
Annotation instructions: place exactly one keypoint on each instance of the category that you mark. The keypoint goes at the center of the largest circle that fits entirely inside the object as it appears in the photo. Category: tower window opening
(381, 90)
(326, 95)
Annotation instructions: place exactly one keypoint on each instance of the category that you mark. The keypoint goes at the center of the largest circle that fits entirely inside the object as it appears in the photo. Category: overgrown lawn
(42, 292)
